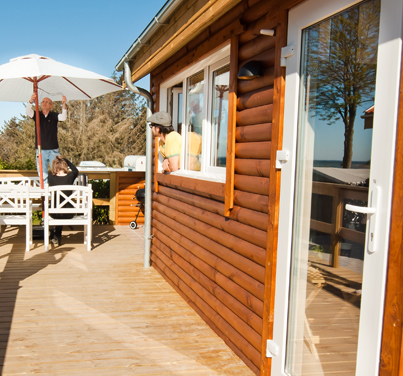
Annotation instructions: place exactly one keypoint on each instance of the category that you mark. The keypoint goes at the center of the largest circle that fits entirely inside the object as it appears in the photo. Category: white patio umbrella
(24, 75)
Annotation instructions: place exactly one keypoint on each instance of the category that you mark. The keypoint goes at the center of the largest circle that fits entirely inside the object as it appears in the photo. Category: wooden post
(38, 133)
(391, 362)
(274, 196)
(112, 197)
(232, 101)
(337, 219)
(156, 151)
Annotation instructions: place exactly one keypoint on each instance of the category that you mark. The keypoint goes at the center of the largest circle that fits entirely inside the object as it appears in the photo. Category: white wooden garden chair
(16, 208)
(80, 198)
(32, 181)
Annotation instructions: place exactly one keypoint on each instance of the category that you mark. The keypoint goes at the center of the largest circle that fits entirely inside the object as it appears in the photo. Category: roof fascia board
(158, 53)
(163, 14)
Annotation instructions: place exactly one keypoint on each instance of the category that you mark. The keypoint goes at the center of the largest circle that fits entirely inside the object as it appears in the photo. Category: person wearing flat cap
(170, 143)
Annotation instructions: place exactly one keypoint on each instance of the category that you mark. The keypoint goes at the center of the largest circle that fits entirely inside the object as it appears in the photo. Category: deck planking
(73, 312)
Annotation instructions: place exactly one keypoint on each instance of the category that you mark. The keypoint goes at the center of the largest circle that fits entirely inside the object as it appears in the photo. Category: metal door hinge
(271, 348)
(281, 157)
(286, 52)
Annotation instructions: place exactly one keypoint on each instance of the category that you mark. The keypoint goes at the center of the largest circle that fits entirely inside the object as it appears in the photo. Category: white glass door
(339, 127)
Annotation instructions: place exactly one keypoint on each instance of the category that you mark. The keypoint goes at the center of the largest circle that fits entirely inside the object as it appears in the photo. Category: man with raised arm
(48, 127)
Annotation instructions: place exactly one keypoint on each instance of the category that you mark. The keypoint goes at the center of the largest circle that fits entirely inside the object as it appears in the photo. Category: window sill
(207, 188)
(218, 178)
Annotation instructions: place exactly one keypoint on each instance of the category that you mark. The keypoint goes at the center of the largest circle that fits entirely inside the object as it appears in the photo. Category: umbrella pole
(38, 131)
(38, 138)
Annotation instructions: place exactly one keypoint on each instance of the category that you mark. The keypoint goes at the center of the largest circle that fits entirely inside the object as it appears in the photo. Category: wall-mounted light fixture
(250, 70)
(268, 32)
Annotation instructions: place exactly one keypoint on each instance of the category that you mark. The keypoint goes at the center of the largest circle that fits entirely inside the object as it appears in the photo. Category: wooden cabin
(287, 237)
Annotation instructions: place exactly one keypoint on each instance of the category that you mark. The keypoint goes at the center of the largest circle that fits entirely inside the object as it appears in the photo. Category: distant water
(337, 164)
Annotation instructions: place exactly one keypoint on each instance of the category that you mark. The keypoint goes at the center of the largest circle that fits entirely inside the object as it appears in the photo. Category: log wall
(219, 256)
(215, 256)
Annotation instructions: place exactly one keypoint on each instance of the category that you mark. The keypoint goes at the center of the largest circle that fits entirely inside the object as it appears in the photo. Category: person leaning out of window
(170, 143)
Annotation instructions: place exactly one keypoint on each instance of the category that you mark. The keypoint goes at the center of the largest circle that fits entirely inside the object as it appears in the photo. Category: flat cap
(160, 118)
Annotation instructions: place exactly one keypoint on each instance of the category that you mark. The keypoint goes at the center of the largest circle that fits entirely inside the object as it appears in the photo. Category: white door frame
(384, 134)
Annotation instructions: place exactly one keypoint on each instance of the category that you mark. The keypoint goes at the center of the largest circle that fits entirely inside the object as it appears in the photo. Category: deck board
(73, 312)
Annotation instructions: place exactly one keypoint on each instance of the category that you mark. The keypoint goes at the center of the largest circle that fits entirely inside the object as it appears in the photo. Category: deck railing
(334, 228)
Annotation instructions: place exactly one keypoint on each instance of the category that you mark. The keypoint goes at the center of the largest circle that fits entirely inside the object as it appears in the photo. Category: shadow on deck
(73, 312)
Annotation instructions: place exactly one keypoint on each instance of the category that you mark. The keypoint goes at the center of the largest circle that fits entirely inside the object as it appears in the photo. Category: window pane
(194, 121)
(219, 117)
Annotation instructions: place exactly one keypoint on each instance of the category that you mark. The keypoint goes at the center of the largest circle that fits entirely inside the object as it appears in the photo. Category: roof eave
(163, 14)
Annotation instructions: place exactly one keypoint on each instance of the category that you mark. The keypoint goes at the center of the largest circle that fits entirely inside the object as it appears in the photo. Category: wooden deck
(331, 322)
(73, 312)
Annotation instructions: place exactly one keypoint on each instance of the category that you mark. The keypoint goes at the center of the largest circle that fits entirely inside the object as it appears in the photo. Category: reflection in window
(194, 133)
(338, 69)
(198, 100)
(219, 116)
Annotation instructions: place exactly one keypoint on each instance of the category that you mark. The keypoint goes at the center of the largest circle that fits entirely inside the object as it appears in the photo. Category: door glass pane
(338, 68)
(195, 115)
(219, 117)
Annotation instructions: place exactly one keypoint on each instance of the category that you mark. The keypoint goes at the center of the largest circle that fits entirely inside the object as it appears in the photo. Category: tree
(341, 67)
(105, 129)
(17, 143)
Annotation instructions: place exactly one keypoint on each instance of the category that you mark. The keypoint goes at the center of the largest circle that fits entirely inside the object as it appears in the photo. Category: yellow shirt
(162, 148)
(173, 145)
(194, 151)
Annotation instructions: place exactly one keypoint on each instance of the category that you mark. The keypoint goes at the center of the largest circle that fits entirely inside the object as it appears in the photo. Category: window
(199, 96)
(219, 116)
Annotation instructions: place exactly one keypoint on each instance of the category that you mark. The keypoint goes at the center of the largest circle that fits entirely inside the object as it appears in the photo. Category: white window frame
(176, 91)
(207, 150)
(212, 62)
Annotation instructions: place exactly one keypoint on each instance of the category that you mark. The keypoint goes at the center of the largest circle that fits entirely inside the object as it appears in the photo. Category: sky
(329, 139)
(92, 35)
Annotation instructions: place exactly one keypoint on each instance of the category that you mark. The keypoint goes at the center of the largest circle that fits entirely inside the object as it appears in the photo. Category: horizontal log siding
(239, 214)
(251, 251)
(170, 218)
(127, 184)
(226, 269)
(175, 283)
(216, 262)
(252, 167)
(242, 295)
(236, 339)
(228, 226)
(215, 296)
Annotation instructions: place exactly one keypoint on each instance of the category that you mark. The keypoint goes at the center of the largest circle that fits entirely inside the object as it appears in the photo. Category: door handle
(360, 209)
(372, 210)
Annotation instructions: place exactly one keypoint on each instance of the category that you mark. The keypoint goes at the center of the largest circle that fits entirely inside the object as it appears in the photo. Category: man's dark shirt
(48, 131)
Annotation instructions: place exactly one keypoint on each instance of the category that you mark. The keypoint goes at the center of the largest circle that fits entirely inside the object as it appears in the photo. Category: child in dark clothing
(61, 176)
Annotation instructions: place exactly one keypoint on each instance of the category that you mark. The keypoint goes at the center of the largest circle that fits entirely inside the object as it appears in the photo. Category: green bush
(36, 218)
(19, 165)
(100, 215)
(101, 189)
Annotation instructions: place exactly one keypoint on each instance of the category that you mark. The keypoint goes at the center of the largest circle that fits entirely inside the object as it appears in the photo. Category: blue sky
(92, 35)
